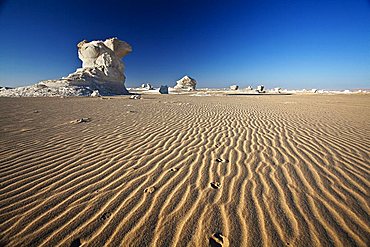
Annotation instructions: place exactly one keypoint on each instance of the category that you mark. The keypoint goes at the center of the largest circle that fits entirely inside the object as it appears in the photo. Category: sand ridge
(177, 170)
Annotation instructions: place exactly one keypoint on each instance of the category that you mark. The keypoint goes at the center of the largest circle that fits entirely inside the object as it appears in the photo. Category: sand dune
(173, 170)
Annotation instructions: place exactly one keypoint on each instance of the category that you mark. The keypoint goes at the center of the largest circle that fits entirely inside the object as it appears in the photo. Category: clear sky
(292, 44)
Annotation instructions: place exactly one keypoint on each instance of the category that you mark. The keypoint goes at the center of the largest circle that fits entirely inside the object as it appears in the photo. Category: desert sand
(178, 170)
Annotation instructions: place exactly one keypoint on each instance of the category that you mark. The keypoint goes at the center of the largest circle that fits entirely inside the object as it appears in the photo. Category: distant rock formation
(234, 87)
(95, 93)
(147, 86)
(163, 89)
(102, 70)
(186, 83)
(260, 89)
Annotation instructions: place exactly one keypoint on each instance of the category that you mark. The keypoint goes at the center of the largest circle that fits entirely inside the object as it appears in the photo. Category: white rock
(261, 89)
(102, 70)
(81, 120)
(249, 88)
(95, 93)
(234, 87)
(147, 86)
(163, 89)
(186, 83)
(37, 91)
(135, 96)
(102, 67)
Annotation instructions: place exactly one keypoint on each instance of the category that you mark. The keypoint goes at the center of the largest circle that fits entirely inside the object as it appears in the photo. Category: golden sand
(175, 170)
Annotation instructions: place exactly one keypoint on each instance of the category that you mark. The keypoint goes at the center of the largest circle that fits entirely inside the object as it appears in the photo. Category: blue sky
(292, 44)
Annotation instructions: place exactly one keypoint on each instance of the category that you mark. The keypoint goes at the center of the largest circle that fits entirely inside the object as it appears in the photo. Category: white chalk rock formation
(186, 83)
(102, 70)
(234, 87)
(62, 89)
(261, 88)
(147, 86)
(95, 93)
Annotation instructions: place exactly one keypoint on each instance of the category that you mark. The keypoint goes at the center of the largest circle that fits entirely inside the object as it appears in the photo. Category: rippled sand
(173, 170)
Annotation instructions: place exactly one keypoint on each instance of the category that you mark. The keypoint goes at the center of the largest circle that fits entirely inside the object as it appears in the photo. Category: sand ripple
(185, 171)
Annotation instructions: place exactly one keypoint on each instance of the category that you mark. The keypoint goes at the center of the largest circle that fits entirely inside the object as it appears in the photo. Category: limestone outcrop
(260, 89)
(95, 93)
(234, 87)
(186, 83)
(102, 70)
(147, 86)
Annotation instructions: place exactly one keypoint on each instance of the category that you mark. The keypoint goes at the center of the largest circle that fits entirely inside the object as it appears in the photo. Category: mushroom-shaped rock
(186, 83)
(119, 47)
(102, 68)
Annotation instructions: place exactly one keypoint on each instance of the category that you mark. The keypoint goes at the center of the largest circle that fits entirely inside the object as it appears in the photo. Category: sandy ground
(175, 170)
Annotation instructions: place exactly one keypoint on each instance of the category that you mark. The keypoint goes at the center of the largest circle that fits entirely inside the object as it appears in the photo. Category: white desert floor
(176, 170)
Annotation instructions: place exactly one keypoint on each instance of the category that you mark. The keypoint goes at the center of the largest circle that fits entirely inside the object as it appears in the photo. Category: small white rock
(135, 96)
(261, 89)
(95, 93)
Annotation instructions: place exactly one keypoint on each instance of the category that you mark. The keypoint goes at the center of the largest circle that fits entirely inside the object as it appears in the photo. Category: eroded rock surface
(102, 70)
(102, 67)
(186, 83)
